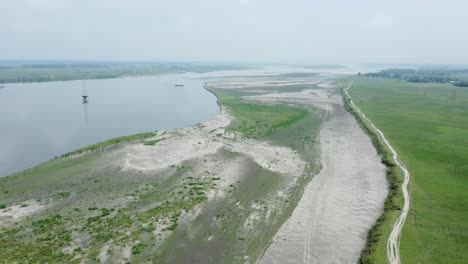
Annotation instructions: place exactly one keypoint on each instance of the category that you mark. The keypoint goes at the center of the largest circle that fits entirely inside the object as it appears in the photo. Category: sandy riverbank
(342, 202)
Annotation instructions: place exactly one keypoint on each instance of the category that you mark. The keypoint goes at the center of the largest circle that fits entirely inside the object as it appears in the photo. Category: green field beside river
(427, 123)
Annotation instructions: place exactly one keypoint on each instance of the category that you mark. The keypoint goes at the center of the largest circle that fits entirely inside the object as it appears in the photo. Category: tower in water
(85, 96)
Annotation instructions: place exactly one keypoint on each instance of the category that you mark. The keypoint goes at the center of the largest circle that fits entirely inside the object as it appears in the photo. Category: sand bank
(340, 205)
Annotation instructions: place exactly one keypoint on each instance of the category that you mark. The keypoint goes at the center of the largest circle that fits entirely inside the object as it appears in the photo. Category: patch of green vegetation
(2, 206)
(44, 179)
(49, 236)
(126, 226)
(152, 142)
(428, 126)
(110, 142)
(285, 88)
(62, 195)
(259, 120)
(138, 248)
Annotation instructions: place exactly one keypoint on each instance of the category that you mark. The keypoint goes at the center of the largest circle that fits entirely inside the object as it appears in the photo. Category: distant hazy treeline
(14, 72)
(458, 77)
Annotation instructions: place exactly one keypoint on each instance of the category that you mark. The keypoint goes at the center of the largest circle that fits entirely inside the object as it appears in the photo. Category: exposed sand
(16, 212)
(254, 84)
(340, 205)
(319, 98)
(207, 139)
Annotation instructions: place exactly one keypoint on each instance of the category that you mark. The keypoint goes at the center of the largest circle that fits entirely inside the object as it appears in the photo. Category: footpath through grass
(428, 126)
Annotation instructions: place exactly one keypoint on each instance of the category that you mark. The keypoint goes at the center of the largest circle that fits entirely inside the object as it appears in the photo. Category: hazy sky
(311, 31)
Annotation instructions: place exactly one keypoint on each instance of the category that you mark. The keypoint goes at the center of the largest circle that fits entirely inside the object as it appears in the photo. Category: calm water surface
(41, 120)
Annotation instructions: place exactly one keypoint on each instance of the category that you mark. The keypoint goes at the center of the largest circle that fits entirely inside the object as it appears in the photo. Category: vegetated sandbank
(215, 192)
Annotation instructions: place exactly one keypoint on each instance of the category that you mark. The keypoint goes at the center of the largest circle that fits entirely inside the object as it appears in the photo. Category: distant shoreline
(2, 84)
(65, 72)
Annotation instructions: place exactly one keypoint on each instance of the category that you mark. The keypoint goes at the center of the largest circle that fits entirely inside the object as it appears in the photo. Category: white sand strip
(340, 205)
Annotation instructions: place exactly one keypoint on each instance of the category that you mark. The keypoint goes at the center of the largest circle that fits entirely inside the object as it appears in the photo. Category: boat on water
(178, 85)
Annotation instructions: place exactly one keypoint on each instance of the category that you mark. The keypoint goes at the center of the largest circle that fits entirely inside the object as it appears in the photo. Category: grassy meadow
(259, 120)
(291, 126)
(427, 123)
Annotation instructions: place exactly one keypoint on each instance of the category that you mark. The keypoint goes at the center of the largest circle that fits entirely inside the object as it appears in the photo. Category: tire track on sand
(393, 243)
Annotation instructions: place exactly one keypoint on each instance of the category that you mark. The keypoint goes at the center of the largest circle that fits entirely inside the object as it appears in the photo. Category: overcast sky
(309, 31)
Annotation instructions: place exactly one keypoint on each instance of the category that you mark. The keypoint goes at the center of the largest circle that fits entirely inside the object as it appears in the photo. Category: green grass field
(428, 126)
(259, 120)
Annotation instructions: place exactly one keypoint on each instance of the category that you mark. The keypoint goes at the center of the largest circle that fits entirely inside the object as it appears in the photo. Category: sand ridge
(206, 139)
(340, 205)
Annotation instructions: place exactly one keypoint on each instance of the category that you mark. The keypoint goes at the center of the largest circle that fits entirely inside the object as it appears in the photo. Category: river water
(41, 120)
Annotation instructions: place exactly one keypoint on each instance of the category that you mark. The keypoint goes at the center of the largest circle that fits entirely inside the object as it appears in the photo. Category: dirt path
(340, 205)
(393, 246)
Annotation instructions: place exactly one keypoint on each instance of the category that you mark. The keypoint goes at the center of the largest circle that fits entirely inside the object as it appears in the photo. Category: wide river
(41, 120)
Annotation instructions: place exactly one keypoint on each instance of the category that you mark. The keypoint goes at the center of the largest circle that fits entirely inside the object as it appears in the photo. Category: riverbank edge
(115, 141)
(377, 234)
